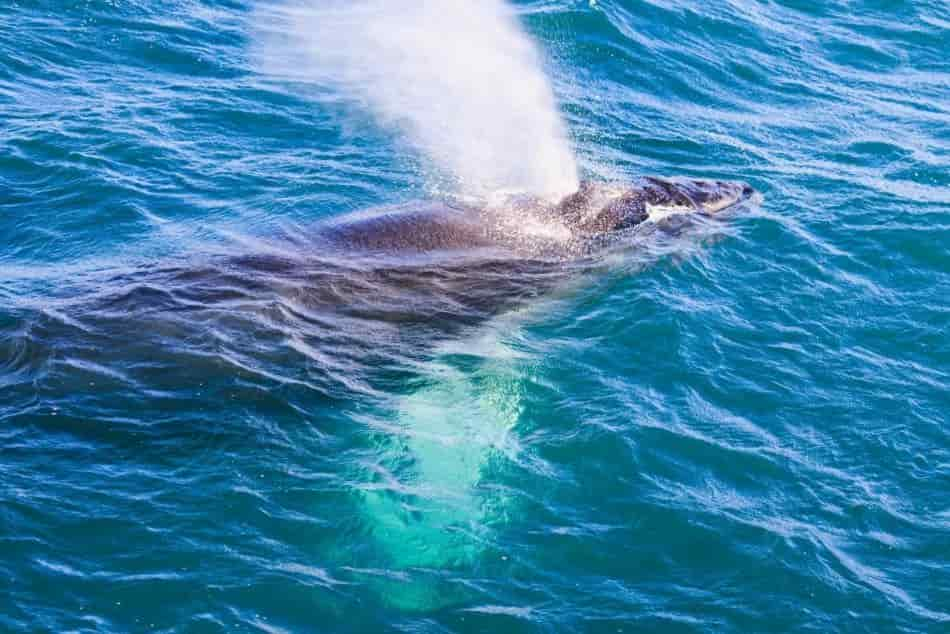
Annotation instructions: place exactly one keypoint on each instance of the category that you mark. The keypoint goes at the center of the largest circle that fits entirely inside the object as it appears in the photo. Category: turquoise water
(742, 429)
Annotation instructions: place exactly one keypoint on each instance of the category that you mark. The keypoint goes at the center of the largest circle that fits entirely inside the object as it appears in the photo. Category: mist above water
(459, 80)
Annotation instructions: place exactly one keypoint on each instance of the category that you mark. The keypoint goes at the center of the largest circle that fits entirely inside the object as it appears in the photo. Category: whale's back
(421, 227)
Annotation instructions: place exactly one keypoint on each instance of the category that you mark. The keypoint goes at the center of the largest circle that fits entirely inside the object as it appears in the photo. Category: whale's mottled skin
(531, 226)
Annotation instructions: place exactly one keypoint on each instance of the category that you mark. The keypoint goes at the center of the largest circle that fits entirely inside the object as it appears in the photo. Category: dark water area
(209, 422)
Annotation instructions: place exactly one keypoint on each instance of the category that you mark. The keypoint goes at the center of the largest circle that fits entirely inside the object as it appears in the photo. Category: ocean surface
(208, 424)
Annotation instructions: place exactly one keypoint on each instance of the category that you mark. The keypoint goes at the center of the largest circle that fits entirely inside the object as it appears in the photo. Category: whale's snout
(731, 193)
(704, 196)
(664, 198)
(599, 209)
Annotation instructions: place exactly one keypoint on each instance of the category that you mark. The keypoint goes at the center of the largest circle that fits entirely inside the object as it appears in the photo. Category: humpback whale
(360, 292)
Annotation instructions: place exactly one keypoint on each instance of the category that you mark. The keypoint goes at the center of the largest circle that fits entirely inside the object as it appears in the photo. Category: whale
(352, 303)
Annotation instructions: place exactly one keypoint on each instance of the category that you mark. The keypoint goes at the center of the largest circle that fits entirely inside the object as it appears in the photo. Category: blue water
(743, 429)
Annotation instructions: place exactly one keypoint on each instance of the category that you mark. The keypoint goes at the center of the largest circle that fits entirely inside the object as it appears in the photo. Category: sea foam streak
(458, 78)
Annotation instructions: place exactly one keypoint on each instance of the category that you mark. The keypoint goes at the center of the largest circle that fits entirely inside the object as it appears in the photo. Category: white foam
(658, 213)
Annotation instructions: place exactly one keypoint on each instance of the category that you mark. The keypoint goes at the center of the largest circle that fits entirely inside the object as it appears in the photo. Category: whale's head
(598, 209)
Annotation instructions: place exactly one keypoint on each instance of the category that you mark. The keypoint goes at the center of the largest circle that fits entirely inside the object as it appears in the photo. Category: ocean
(210, 424)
